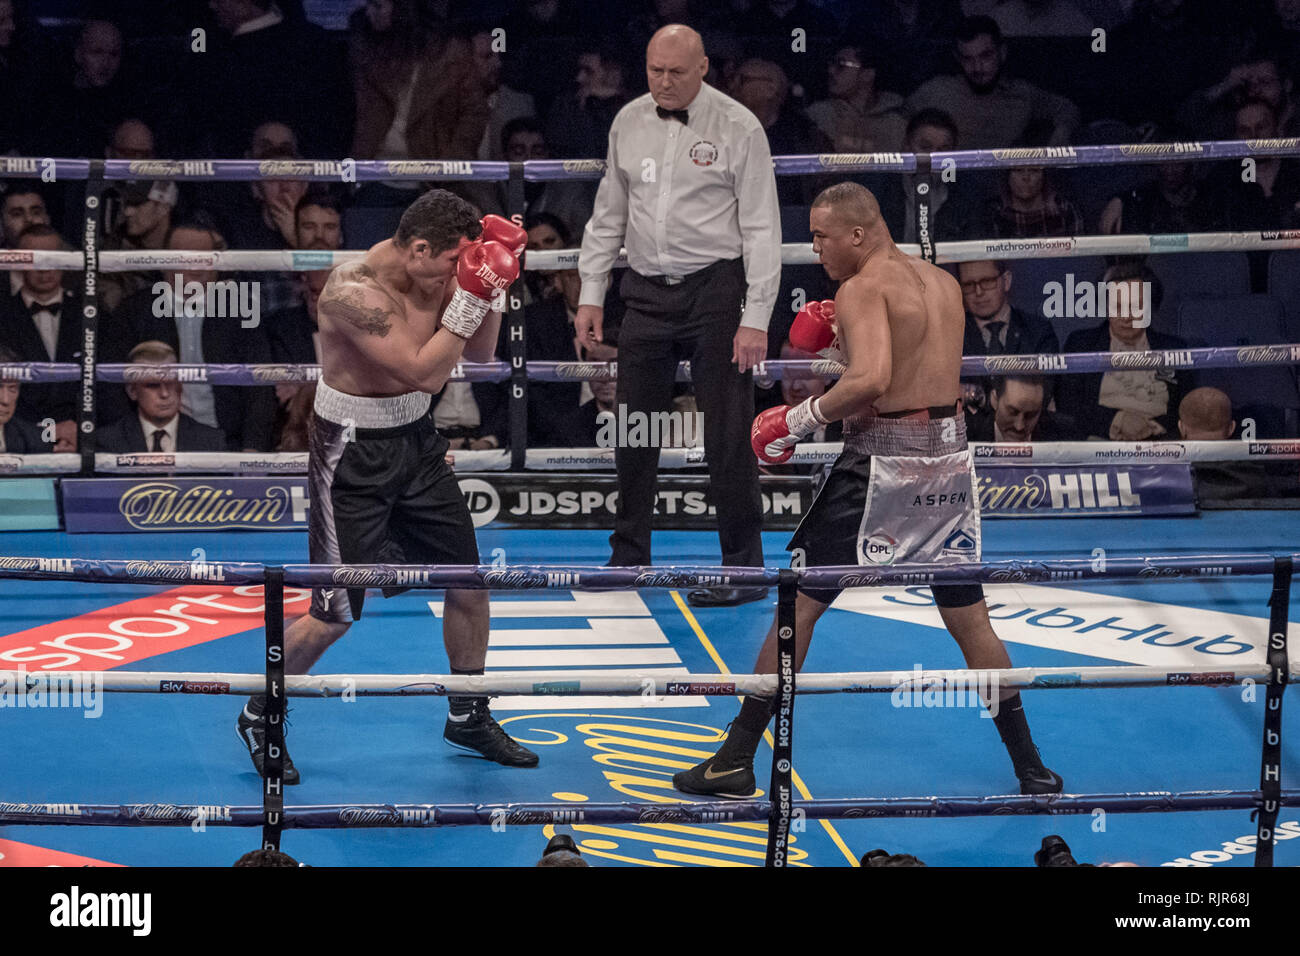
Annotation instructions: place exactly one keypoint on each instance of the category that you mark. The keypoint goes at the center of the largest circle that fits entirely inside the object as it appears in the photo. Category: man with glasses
(857, 117)
(993, 327)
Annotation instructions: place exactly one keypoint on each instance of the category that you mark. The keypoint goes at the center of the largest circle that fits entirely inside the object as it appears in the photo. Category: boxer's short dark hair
(440, 218)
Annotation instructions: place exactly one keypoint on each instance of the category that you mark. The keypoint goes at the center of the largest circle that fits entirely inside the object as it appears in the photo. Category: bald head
(851, 205)
(676, 37)
(675, 65)
(1205, 414)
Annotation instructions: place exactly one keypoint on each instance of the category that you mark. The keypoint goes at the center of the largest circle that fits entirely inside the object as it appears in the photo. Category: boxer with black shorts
(392, 328)
(903, 490)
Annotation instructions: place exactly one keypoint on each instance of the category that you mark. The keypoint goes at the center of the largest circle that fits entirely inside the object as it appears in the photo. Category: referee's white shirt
(682, 197)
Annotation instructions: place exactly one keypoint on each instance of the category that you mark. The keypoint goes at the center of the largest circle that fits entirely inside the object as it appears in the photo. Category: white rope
(551, 260)
(597, 682)
(559, 459)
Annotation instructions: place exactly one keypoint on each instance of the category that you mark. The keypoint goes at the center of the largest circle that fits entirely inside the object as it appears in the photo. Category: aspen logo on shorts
(75, 909)
(880, 549)
(704, 153)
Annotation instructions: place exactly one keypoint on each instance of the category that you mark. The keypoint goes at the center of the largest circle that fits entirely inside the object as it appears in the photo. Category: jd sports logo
(481, 499)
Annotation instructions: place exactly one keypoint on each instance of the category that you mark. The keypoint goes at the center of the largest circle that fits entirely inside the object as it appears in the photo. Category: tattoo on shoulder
(364, 271)
(350, 306)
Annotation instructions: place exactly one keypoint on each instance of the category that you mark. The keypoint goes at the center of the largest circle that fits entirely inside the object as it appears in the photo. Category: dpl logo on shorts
(880, 549)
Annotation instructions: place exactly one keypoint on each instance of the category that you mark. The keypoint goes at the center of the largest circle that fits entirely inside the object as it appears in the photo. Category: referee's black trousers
(697, 320)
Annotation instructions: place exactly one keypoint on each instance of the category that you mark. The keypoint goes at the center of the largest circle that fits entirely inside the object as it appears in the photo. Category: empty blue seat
(1284, 284)
(1268, 395)
(1196, 275)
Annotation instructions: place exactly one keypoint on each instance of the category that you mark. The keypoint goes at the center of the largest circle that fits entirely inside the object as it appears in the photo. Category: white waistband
(362, 411)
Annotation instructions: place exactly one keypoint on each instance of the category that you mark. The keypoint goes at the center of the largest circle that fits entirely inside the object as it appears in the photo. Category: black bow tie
(36, 308)
(679, 115)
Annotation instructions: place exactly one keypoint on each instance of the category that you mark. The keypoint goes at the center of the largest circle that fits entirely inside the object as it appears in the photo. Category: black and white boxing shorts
(381, 492)
(901, 492)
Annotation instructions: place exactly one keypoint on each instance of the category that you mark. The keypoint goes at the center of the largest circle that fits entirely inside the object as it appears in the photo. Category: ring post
(1270, 761)
(517, 406)
(92, 210)
(273, 764)
(781, 791)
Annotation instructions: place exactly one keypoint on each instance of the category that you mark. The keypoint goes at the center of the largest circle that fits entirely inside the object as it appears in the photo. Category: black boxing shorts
(381, 492)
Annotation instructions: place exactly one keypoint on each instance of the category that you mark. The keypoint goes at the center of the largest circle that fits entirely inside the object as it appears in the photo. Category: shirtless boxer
(392, 328)
(897, 323)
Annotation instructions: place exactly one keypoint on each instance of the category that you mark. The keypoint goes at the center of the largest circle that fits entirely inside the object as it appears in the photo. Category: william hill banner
(557, 500)
(185, 504)
(1085, 491)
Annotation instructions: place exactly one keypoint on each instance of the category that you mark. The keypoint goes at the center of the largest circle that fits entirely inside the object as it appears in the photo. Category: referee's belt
(678, 280)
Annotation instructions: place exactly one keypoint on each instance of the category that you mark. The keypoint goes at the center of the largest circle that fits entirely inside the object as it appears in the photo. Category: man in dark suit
(17, 435)
(40, 324)
(158, 423)
(246, 414)
(1017, 413)
(993, 327)
(1126, 405)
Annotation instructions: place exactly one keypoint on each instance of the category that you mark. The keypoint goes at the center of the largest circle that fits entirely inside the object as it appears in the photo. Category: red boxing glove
(777, 430)
(814, 327)
(504, 231)
(484, 269)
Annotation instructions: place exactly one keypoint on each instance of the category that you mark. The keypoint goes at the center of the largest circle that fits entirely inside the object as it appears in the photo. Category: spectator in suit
(993, 327)
(952, 214)
(991, 109)
(1205, 414)
(244, 413)
(158, 423)
(504, 102)
(17, 435)
(40, 324)
(1017, 412)
(1126, 405)
(858, 117)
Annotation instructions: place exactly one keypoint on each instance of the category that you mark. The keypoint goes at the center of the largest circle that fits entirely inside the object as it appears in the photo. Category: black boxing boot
(1014, 730)
(730, 772)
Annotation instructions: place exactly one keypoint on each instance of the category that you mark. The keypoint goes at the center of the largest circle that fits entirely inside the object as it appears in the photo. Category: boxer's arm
(482, 345)
(863, 322)
(378, 329)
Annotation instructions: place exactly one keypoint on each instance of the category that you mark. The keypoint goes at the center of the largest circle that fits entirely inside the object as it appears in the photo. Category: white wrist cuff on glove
(464, 314)
(805, 418)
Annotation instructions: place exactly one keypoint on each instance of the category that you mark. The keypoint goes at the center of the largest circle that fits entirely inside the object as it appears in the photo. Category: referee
(689, 189)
